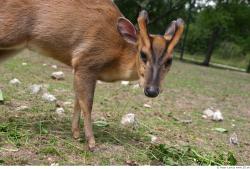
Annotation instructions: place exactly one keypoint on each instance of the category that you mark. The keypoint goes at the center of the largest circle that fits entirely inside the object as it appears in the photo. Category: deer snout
(152, 91)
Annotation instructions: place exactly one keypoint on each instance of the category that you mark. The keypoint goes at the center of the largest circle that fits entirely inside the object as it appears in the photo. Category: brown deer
(95, 39)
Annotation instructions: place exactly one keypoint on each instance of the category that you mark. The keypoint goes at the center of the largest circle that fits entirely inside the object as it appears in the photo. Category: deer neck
(123, 67)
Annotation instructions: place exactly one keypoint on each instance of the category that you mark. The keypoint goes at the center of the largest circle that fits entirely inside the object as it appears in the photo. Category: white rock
(136, 86)
(147, 106)
(48, 97)
(34, 89)
(204, 116)
(217, 116)
(54, 164)
(54, 66)
(234, 139)
(154, 139)
(208, 112)
(99, 82)
(21, 108)
(128, 119)
(60, 111)
(15, 82)
(44, 64)
(125, 83)
(24, 64)
(58, 75)
(67, 103)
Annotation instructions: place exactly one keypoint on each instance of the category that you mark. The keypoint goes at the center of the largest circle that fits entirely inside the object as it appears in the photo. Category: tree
(191, 6)
(214, 21)
(161, 12)
(248, 68)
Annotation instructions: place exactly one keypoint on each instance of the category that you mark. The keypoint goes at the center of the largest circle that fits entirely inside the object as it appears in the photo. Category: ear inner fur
(127, 30)
(177, 35)
(170, 32)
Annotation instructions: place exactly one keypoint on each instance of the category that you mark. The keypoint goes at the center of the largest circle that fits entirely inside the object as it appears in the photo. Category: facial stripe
(158, 46)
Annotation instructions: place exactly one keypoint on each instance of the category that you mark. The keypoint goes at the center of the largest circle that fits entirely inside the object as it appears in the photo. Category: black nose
(152, 91)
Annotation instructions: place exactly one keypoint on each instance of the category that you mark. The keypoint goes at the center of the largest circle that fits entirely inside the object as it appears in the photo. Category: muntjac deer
(95, 39)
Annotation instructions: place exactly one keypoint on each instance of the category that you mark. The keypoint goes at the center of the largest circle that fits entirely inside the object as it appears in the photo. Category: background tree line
(214, 28)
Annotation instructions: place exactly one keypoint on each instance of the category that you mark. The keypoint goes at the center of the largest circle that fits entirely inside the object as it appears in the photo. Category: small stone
(125, 83)
(21, 108)
(49, 97)
(35, 89)
(208, 113)
(67, 103)
(154, 139)
(44, 64)
(131, 163)
(1, 96)
(217, 116)
(15, 82)
(128, 119)
(234, 139)
(58, 75)
(147, 106)
(99, 82)
(24, 64)
(204, 116)
(60, 111)
(54, 66)
(54, 164)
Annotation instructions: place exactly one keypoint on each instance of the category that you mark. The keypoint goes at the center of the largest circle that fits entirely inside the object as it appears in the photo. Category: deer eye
(168, 63)
(144, 57)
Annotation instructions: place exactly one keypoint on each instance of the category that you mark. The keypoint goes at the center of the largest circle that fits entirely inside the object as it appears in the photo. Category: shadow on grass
(211, 65)
(18, 129)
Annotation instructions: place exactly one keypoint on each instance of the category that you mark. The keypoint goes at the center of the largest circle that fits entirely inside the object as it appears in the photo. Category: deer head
(155, 52)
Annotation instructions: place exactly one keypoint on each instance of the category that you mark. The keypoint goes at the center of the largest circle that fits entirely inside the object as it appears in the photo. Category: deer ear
(174, 33)
(127, 30)
(170, 31)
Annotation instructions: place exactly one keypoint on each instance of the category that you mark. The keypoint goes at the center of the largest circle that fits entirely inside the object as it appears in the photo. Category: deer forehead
(159, 45)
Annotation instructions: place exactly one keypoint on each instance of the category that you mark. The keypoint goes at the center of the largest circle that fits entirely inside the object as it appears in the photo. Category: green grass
(237, 62)
(38, 136)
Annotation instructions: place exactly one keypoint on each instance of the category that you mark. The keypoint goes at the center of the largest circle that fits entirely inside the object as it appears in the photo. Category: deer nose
(152, 91)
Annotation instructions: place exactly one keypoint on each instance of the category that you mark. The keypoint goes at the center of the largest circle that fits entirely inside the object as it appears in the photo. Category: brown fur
(84, 35)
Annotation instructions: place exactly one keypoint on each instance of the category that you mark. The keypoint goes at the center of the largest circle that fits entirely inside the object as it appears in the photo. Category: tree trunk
(191, 5)
(248, 68)
(211, 46)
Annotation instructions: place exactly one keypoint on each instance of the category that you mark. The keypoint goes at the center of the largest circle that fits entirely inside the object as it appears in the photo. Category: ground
(39, 136)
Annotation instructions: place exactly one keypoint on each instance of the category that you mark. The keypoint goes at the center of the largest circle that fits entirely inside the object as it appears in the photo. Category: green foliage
(188, 156)
(230, 19)
(161, 12)
(229, 50)
(50, 150)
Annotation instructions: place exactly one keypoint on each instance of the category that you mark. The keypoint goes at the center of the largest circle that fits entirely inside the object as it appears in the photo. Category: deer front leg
(76, 119)
(84, 88)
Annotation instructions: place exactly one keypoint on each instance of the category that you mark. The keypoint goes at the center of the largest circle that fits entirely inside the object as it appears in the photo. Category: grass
(39, 136)
(237, 62)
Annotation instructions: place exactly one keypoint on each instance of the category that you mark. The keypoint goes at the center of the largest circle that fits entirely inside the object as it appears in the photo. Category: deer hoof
(76, 133)
(91, 145)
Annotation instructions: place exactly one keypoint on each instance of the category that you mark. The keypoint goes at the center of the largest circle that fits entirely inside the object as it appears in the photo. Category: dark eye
(144, 57)
(169, 62)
